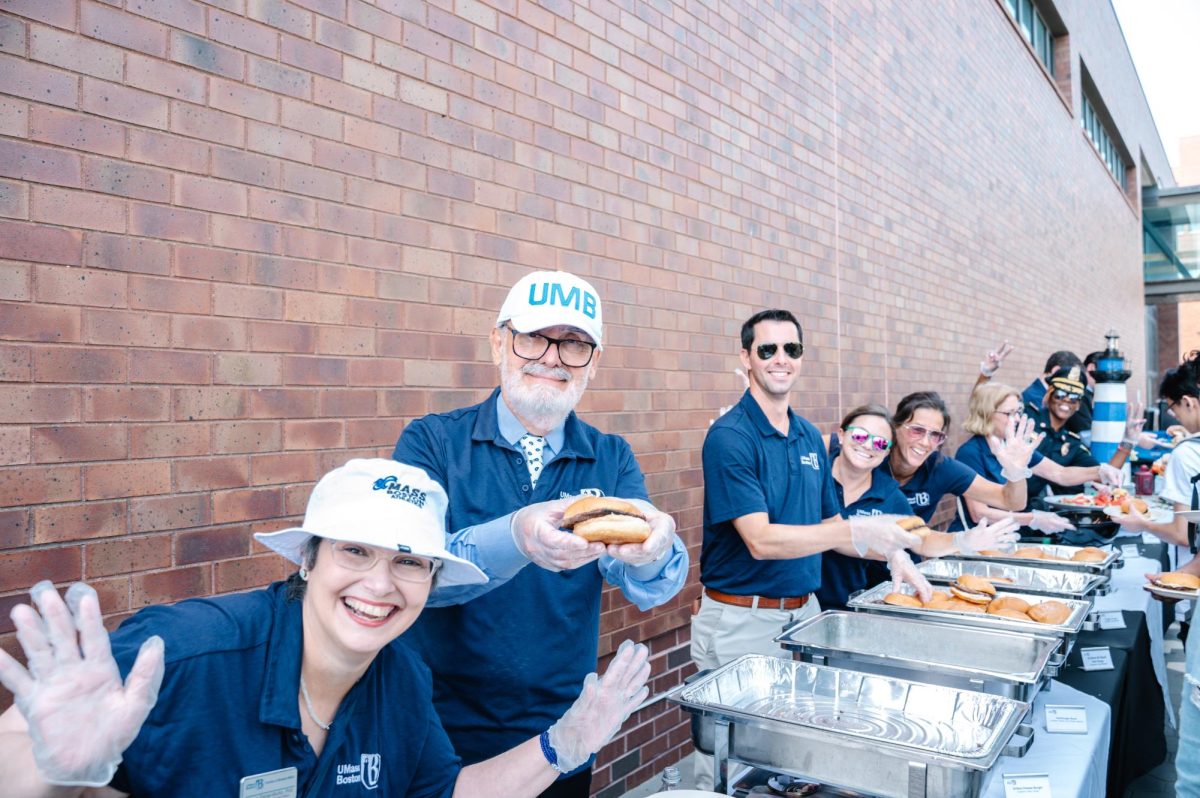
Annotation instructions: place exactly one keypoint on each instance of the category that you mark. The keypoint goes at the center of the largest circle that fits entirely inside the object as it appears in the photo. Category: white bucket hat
(548, 299)
(380, 503)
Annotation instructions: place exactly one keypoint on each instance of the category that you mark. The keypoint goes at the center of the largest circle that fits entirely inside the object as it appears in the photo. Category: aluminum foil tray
(872, 601)
(1000, 662)
(1064, 553)
(878, 734)
(1081, 585)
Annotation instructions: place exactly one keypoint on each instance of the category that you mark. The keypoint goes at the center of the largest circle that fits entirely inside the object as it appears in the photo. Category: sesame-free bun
(606, 520)
(974, 589)
(1176, 580)
(1136, 504)
(1051, 612)
(938, 599)
(1029, 553)
(914, 524)
(1008, 603)
(1089, 554)
(959, 605)
(1016, 615)
(902, 600)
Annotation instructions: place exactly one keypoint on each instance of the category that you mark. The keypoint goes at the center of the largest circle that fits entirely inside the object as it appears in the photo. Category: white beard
(541, 406)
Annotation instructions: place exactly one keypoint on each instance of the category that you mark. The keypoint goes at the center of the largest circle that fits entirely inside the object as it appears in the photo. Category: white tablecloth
(1076, 763)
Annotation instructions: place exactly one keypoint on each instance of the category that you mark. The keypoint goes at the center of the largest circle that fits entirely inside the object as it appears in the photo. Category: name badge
(1112, 619)
(1096, 658)
(1027, 785)
(1130, 550)
(1066, 719)
(280, 783)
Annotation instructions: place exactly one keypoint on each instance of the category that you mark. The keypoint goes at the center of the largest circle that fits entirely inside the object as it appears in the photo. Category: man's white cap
(380, 503)
(549, 299)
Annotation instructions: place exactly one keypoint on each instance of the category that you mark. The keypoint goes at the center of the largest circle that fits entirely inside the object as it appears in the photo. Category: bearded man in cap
(510, 657)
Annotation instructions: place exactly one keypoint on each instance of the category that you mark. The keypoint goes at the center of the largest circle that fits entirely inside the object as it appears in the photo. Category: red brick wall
(245, 240)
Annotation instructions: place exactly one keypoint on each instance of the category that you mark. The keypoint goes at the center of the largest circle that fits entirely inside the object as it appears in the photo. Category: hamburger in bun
(1089, 554)
(902, 600)
(914, 524)
(937, 599)
(1008, 603)
(1177, 580)
(958, 605)
(974, 589)
(1016, 615)
(1051, 612)
(1130, 504)
(1028, 553)
(601, 519)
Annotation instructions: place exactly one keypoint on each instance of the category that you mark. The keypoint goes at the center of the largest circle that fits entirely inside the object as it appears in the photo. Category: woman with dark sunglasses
(861, 445)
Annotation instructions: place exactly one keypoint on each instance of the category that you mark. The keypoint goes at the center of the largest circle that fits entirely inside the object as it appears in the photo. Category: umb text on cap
(541, 300)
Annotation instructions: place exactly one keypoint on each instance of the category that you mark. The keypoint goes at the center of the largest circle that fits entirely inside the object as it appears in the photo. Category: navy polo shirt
(842, 575)
(936, 477)
(976, 454)
(228, 708)
(750, 467)
(509, 663)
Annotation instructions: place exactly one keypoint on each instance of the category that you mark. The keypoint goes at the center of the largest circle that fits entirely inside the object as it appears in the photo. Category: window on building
(1033, 27)
(1104, 141)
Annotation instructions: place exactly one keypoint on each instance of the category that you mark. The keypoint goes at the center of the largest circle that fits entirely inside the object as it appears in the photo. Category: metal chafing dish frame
(1046, 581)
(1079, 620)
(1104, 567)
(1034, 659)
(841, 757)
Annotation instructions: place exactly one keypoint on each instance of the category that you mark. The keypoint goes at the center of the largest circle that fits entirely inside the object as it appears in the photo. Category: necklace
(309, 707)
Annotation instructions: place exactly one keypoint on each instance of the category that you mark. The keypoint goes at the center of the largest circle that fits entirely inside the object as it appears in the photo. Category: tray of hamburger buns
(1067, 558)
(1175, 585)
(1081, 585)
(874, 734)
(974, 601)
(997, 661)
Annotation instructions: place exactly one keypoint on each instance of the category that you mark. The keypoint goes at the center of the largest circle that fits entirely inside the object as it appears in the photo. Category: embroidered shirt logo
(920, 499)
(596, 492)
(811, 461)
(366, 772)
(395, 490)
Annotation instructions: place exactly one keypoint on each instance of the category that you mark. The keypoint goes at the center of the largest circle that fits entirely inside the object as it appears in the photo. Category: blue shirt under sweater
(842, 575)
(507, 664)
(750, 467)
(228, 709)
(976, 454)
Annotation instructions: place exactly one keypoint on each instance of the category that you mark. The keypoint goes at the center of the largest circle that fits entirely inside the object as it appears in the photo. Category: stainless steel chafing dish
(877, 734)
(872, 601)
(992, 661)
(1065, 553)
(1079, 585)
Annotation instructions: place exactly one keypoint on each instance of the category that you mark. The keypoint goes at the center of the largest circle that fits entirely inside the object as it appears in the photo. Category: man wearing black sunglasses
(771, 509)
(507, 663)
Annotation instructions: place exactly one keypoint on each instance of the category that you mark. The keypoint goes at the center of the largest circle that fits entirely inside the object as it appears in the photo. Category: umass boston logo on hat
(549, 299)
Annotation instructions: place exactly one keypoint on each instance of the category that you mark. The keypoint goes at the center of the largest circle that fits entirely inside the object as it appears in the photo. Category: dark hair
(1183, 380)
(295, 587)
(921, 400)
(870, 410)
(1093, 358)
(767, 315)
(1063, 360)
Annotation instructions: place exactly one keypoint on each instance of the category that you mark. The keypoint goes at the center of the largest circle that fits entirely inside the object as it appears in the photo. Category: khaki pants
(721, 633)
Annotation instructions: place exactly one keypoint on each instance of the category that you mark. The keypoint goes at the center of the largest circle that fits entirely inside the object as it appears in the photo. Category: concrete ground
(1158, 783)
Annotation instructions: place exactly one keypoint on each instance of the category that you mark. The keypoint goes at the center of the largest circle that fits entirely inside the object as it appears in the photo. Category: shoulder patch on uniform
(1074, 434)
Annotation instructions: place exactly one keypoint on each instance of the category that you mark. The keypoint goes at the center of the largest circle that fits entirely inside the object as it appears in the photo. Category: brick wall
(245, 240)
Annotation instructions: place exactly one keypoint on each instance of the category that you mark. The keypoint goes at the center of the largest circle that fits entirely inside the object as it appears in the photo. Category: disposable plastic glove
(902, 569)
(602, 707)
(991, 364)
(987, 535)
(81, 718)
(1014, 452)
(1043, 521)
(879, 533)
(537, 535)
(1111, 476)
(653, 548)
(1135, 419)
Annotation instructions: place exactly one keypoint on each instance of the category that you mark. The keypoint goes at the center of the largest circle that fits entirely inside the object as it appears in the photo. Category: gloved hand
(1111, 476)
(879, 533)
(536, 532)
(1133, 521)
(653, 548)
(902, 569)
(1135, 419)
(602, 707)
(1014, 452)
(81, 718)
(991, 364)
(1043, 521)
(987, 535)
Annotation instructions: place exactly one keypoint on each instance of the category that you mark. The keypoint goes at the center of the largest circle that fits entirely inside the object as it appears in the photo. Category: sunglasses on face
(862, 437)
(917, 433)
(767, 351)
(1068, 396)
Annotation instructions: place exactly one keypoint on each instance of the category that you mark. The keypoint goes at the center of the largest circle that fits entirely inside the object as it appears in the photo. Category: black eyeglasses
(1069, 396)
(572, 352)
(767, 351)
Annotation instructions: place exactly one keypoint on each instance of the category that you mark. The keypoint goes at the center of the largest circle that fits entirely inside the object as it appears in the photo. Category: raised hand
(994, 359)
(1017, 448)
(81, 718)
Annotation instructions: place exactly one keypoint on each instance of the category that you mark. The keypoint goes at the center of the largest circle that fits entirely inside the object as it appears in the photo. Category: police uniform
(508, 664)
(1034, 397)
(228, 709)
(1064, 447)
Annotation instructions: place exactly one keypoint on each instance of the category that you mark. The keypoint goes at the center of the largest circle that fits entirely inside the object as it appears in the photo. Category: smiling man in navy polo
(770, 509)
(507, 662)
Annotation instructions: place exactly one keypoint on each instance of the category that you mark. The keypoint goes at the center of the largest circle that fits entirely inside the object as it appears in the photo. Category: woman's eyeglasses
(533, 346)
(916, 432)
(405, 567)
(1068, 396)
(1011, 414)
(767, 351)
(861, 437)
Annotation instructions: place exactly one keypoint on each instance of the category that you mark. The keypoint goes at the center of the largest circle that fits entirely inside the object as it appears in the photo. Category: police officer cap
(1070, 381)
